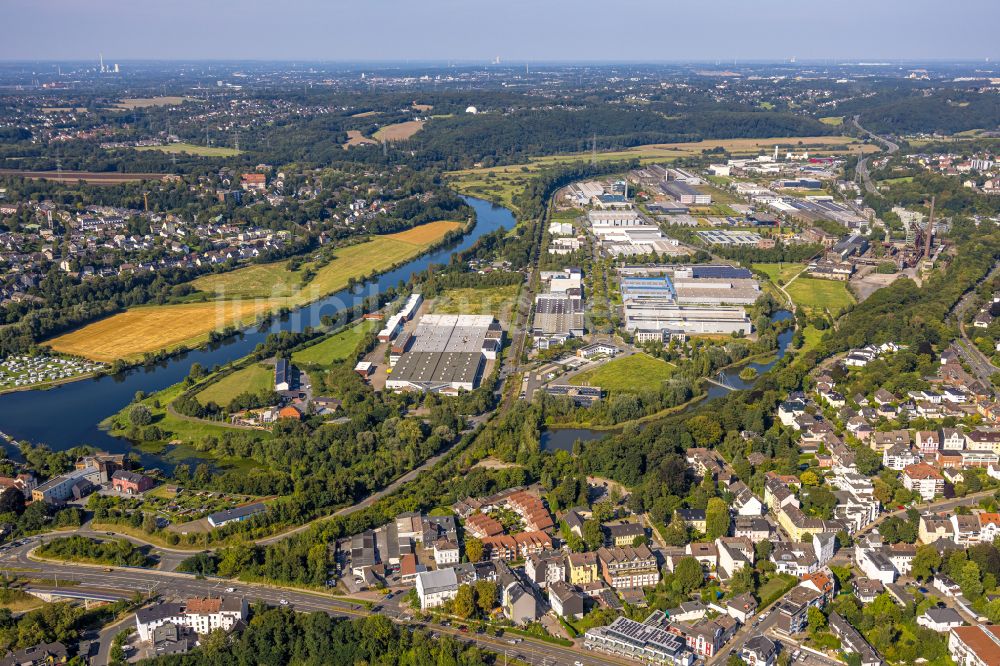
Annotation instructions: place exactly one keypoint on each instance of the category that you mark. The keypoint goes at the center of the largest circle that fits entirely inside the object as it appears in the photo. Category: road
(976, 360)
(172, 585)
(862, 167)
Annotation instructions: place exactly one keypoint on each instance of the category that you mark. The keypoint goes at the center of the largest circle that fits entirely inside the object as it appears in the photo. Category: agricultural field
(356, 138)
(638, 372)
(779, 272)
(815, 294)
(240, 297)
(193, 149)
(496, 301)
(276, 283)
(130, 334)
(252, 378)
(146, 102)
(398, 131)
(835, 121)
(337, 347)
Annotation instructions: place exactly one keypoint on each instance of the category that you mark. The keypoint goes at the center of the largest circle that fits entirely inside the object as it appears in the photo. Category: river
(68, 415)
(554, 439)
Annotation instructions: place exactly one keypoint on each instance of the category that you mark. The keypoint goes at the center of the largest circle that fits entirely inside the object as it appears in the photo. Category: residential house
(924, 480)
(545, 568)
(583, 568)
(203, 615)
(565, 600)
(935, 528)
(866, 589)
(759, 650)
(978, 645)
(899, 456)
(623, 534)
(628, 568)
(436, 587)
(693, 518)
(852, 641)
(940, 619)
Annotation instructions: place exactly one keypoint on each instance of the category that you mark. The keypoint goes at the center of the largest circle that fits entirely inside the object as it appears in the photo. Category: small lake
(68, 415)
(556, 439)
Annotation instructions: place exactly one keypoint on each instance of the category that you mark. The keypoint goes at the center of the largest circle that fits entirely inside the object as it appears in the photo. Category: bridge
(722, 381)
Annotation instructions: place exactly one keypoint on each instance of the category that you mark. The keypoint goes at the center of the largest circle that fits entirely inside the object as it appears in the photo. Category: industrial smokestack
(929, 231)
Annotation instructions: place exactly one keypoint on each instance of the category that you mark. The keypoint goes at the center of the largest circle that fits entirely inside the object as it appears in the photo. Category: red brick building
(130, 483)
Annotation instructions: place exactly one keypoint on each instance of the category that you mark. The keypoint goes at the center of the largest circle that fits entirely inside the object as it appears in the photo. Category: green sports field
(816, 294)
(638, 372)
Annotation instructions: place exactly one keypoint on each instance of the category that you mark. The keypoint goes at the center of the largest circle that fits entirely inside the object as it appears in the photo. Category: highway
(975, 359)
(171, 585)
(862, 168)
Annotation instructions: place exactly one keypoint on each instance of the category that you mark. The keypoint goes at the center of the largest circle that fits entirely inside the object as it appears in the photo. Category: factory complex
(445, 353)
(663, 301)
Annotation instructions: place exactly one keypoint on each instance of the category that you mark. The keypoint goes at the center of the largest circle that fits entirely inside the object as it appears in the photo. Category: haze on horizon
(515, 30)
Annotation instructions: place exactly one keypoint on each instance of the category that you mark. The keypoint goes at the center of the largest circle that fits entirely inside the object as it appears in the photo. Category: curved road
(178, 586)
(862, 168)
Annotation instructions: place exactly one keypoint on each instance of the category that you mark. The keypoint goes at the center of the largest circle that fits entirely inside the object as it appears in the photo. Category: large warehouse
(558, 317)
(662, 300)
(447, 353)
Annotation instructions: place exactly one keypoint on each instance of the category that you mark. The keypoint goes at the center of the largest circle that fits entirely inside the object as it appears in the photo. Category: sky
(515, 30)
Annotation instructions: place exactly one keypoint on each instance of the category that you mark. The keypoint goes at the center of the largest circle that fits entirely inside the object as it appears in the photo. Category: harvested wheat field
(398, 131)
(241, 296)
(356, 138)
(132, 333)
(426, 233)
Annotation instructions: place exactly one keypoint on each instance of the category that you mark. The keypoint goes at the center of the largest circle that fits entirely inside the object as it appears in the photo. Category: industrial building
(684, 193)
(660, 301)
(658, 323)
(558, 317)
(729, 238)
(600, 219)
(447, 353)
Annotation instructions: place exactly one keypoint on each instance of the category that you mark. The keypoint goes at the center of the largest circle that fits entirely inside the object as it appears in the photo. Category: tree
(464, 604)
(743, 580)
(866, 461)
(816, 620)
(688, 575)
(970, 580)
(486, 596)
(139, 415)
(474, 550)
(603, 511)
(809, 478)
(12, 501)
(926, 561)
(676, 533)
(593, 536)
(716, 518)
(706, 432)
(762, 549)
